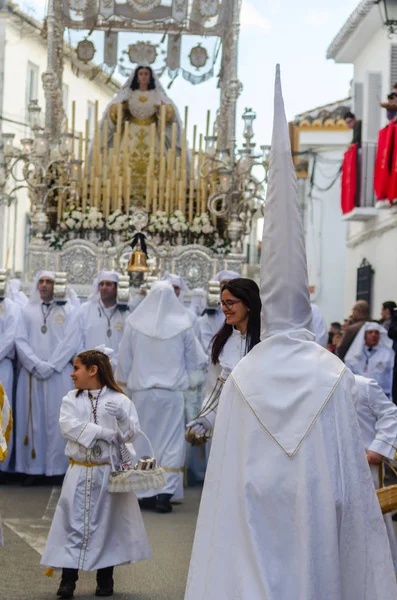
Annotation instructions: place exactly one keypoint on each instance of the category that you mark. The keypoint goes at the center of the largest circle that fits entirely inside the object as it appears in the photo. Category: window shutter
(374, 96)
(359, 100)
(393, 66)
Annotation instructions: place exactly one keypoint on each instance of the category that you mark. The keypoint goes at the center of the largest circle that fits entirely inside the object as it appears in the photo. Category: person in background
(387, 312)
(354, 124)
(392, 333)
(377, 418)
(371, 355)
(319, 326)
(5, 433)
(334, 330)
(360, 315)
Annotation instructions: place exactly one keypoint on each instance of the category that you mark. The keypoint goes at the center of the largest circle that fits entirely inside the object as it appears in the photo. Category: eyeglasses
(228, 303)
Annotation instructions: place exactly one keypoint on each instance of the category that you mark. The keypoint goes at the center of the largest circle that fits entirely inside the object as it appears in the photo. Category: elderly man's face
(372, 338)
(45, 286)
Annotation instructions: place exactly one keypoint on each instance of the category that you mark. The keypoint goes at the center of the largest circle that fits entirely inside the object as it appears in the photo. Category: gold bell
(137, 262)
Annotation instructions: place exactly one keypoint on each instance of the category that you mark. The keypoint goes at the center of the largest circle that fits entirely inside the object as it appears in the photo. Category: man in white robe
(377, 417)
(46, 344)
(289, 509)
(101, 318)
(9, 316)
(371, 355)
(319, 326)
(5, 433)
(158, 361)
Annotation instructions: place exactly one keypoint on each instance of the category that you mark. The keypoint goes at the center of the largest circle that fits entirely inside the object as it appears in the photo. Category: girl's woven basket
(134, 480)
(387, 496)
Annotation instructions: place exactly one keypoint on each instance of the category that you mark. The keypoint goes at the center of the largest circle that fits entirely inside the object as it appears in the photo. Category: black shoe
(66, 589)
(104, 589)
(32, 480)
(163, 504)
(148, 503)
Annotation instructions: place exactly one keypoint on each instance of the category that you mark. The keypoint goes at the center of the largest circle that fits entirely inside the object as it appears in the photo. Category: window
(91, 118)
(65, 99)
(32, 84)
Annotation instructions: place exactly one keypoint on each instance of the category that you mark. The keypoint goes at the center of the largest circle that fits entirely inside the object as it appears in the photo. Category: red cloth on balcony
(392, 187)
(349, 179)
(383, 159)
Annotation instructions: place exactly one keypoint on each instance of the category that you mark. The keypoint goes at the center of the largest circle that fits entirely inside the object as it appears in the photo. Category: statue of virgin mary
(141, 98)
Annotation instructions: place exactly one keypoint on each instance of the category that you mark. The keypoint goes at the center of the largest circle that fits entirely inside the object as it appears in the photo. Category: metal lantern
(34, 111)
(8, 143)
(389, 13)
(248, 117)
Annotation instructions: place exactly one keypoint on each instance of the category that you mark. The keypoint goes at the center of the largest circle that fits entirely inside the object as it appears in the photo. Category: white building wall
(24, 45)
(324, 229)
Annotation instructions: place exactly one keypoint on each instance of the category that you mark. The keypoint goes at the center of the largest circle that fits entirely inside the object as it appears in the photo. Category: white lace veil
(124, 93)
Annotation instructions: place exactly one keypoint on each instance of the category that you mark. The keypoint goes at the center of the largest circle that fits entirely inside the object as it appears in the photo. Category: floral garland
(72, 219)
(117, 221)
(202, 225)
(93, 219)
(178, 222)
(159, 222)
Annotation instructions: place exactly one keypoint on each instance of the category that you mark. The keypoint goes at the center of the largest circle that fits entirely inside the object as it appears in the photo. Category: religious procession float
(134, 193)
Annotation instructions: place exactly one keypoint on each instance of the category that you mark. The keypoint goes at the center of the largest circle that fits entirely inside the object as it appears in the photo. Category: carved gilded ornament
(85, 51)
(198, 56)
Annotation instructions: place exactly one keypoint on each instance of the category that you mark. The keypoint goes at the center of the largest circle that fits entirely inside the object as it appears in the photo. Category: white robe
(377, 365)
(94, 325)
(57, 346)
(93, 528)
(156, 373)
(377, 417)
(273, 526)
(319, 326)
(9, 315)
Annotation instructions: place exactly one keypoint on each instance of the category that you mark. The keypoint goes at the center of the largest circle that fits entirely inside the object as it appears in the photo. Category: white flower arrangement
(117, 221)
(159, 222)
(202, 224)
(93, 219)
(178, 222)
(72, 219)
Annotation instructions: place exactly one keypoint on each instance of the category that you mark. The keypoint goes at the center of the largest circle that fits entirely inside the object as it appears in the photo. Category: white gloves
(108, 435)
(115, 410)
(200, 425)
(43, 369)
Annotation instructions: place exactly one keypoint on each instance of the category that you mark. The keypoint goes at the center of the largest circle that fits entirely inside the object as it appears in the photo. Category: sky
(294, 34)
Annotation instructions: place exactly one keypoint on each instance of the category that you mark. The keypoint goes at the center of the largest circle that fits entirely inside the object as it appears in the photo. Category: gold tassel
(33, 453)
(26, 441)
(49, 572)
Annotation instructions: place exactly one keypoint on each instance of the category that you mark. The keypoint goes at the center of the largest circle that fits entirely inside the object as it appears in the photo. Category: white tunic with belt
(9, 315)
(377, 417)
(39, 445)
(95, 323)
(158, 361)
(93, 528)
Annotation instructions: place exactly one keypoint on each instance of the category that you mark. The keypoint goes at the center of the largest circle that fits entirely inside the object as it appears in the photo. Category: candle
(119, 192)
(59, 214)
(107, 197)
(97, 188)
(73, 124)
(105, 141)
(155, 188)
(128, 195)
(85, 193)
(148, 189)
(167, 196)
(207, 130)
(96, 113)
(80, 155)
(173, 137)
(191, 199)
(162, 183)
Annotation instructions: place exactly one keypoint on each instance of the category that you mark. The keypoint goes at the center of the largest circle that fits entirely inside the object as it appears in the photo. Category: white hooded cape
(289, 510)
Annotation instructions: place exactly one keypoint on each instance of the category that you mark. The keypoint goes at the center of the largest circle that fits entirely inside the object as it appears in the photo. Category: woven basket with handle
(387, 496)
(133, 480)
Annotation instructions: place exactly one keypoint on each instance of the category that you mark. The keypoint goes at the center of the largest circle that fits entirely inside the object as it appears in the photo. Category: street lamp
(388, 9)
(34, 111)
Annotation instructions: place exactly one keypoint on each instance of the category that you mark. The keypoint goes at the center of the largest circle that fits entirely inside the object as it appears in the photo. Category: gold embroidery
(59, 319)
(142, 99)
(147, 121)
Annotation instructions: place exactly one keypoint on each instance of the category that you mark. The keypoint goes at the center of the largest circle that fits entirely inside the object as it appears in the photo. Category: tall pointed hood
(284, 282)
(287, 379)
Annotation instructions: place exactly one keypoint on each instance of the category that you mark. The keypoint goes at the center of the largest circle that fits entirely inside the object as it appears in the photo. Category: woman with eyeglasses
(241, 305)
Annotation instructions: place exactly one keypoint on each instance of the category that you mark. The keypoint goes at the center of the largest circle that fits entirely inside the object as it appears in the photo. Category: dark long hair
(96, 358)
(135, 83)
(247, 291)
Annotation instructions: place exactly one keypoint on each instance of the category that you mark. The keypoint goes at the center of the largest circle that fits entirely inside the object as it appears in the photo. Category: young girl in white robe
(94, 529)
